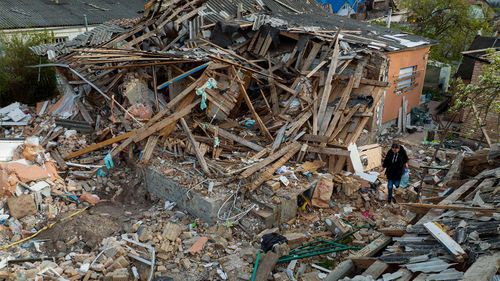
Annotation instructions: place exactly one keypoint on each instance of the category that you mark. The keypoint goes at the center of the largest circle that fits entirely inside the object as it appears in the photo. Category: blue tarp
(338, 4)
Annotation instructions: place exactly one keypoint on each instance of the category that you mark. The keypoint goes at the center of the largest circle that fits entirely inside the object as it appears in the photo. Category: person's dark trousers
(390, 184)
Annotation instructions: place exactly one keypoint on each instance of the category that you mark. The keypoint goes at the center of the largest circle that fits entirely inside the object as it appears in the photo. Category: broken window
(406, 79)
(61, 39)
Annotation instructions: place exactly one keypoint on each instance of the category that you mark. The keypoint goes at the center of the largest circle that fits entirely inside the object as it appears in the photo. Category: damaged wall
(398, 60)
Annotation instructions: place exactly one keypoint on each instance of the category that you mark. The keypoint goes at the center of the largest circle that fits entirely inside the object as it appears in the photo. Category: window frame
(406, 80)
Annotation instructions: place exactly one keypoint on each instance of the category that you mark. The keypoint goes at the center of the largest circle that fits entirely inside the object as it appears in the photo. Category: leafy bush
(17, 81)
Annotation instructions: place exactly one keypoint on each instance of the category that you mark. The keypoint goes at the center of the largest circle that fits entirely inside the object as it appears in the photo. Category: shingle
(46, 13)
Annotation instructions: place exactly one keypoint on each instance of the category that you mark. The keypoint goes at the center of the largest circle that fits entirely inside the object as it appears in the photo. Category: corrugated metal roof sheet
(96, 36)
(46, 13)
(312, 14)
(433, 265)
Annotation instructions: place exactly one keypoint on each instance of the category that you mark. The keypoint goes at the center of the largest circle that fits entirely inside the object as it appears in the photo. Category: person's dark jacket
(394, 166)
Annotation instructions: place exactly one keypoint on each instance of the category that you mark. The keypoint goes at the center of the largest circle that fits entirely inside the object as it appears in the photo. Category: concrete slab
(197, 205)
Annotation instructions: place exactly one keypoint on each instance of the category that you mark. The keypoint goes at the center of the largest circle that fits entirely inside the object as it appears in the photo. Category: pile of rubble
(242, 125)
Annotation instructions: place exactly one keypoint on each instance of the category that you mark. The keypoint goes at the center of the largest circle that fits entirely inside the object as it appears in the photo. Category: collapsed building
(243, 117)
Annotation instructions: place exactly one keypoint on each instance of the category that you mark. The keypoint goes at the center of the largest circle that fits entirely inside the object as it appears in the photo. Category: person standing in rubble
(395, 162)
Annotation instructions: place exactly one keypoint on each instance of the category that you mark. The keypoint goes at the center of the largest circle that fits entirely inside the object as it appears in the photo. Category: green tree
(17, 81)
(453, 23)
(483, 97)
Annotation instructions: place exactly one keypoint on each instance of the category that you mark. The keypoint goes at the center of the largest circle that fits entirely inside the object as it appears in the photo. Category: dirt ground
(109, 217)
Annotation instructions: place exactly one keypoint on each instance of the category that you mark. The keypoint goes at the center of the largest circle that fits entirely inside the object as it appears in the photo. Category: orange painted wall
(398, 60)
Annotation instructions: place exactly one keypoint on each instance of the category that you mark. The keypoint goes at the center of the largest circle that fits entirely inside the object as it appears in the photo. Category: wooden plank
(165, 122)
(316, 47)
(358, 73)
(451, 245)
(59, 160)
(484, 268)
(299, 123)
(318, 67)
(314, 138)
(220, 101)
(376, 269)
(392, 231)
(481, 124)
(279, 138)
(272, 87)
(248, 101)
(406, 275)
(188, 15)
(363, 262)
(149, 148)
(326, 120)
(359, 129)
(183, 103)
(340, 271)
(146, 131)
(434, 213)
(266, 266)
(423, 208)
(271, 158)
(266, 45)
(230, 136)
(454, 170)
(268, 173)
(365, 81)
(346, 119)
(374, 247)
(196, 147)
(85, 114)
(328, 151)
(328, 83)
(346, 94)
(97, 146)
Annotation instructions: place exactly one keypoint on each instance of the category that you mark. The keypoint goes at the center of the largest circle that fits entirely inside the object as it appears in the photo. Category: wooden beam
(358, 73)
(454, 170)
(328, 151)
(230, 136)
(59, 160)
(376, 269)
(165, 122)
(434, 213)
(256, 116)
(423, 208)
(481, 125)
(484, 268)
(272, 87)
(268, 173)
(328, 83)
(374, 247)
(97, 146)
(266, 266)
(149, 148)
(196, 147)
(365, 81)
(271, 158)
(339, 111)
(451, 245)
(340, 271)
(145, 132)
(316, 47)
(346, 119)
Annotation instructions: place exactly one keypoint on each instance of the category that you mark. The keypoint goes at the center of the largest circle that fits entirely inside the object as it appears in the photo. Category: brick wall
(491, 120)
